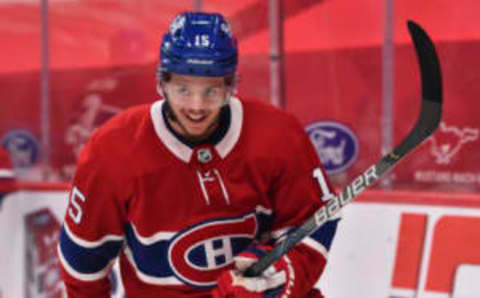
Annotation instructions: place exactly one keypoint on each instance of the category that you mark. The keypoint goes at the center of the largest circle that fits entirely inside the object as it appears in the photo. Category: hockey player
(188, 191)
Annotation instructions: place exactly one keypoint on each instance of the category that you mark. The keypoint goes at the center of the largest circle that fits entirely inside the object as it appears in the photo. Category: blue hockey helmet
(199, 44)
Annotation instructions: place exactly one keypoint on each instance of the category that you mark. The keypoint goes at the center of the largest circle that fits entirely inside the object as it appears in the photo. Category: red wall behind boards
(107, 50)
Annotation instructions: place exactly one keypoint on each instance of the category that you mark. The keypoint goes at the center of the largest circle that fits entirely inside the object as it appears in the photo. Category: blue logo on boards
(22, 147)
(336, 145)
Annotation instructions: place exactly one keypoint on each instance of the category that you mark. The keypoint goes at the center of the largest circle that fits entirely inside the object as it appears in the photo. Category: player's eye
(182, 90)
(213, 92)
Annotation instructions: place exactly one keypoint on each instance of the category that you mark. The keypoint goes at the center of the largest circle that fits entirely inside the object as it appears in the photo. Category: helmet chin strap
(173, 118)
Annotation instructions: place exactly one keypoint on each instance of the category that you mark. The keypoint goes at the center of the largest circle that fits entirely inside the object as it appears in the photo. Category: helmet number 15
(202, 40)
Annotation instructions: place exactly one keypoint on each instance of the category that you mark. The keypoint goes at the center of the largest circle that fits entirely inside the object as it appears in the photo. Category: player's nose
(197, 102)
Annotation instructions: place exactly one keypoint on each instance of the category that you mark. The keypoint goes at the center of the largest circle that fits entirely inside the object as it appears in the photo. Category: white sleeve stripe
(159, 236)
(317, 246)
(91, 244)
(82, 276)
(5, 173)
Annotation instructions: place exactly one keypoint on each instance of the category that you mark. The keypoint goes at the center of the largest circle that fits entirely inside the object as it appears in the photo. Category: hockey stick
(427, 123)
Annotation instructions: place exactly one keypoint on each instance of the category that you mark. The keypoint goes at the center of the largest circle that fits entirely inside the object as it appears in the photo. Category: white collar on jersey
(184, 152)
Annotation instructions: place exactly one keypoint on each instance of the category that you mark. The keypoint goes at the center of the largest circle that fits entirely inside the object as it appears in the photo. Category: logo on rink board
(448, 141)
(22, 146)
(42, 273)
(430, 252)
(336, 145)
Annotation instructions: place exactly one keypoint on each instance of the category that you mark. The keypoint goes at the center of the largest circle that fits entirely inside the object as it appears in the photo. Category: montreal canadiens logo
(198, 255)
(336, 145)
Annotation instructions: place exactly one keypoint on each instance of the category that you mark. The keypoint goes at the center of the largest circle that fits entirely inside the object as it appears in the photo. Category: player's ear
(162, 78)
(231, 83)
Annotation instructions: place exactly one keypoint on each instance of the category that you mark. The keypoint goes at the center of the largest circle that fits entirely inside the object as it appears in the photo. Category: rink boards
(389, 244)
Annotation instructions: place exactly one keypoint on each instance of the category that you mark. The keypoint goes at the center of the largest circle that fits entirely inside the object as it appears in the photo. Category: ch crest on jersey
(198, 255)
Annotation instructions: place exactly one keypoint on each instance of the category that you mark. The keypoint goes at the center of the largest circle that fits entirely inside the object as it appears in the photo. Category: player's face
(196, 103)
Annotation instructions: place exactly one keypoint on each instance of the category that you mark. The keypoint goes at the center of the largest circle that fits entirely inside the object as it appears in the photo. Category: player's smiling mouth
(195, 118)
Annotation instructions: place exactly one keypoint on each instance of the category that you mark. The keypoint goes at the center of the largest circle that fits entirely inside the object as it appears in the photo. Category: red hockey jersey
(177, 215)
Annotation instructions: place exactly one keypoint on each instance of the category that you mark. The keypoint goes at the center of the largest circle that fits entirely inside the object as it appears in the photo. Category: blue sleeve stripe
(144, 254)
(88, 260)
(324, 235)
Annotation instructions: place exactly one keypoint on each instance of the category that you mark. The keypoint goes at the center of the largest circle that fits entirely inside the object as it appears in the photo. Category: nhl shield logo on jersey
(204, 155)
(336, 145)
(198, 255)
